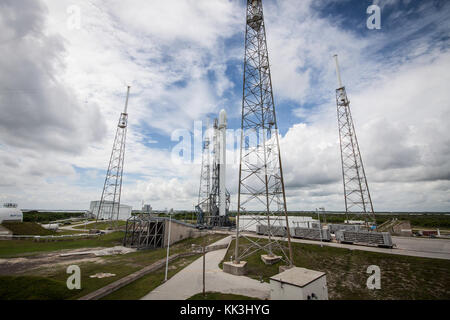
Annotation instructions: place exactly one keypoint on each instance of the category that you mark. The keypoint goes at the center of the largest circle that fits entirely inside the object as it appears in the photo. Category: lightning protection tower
(110, 202)
(261, 184)
(204, 203)
(356, 189)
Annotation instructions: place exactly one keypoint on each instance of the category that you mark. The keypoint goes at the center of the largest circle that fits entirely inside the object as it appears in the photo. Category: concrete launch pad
(270, 259)
(237, 269)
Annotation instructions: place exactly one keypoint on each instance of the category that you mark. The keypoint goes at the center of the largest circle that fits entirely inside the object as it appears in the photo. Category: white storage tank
(51, 227)
(11, 215)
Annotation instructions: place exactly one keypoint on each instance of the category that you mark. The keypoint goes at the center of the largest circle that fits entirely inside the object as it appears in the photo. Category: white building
(249, 222)
(10, 213)
(147, 209)
(356, 222)
(299, 284)
(124, 211)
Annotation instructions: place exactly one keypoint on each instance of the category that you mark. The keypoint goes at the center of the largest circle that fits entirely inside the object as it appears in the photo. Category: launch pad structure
(214, 199)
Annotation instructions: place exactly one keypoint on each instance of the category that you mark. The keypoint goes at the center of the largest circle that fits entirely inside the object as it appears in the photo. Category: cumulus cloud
(62, 90)
(39, 110)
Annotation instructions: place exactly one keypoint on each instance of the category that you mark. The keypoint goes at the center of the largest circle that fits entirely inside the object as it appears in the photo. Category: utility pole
(204, 267)
(320, 227)
(168, 247)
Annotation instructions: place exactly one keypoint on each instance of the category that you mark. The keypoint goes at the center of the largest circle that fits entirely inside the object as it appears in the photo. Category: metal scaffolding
(356, 189)
(208, 199)
(112, 188)
(261, 184)
(204, 202)
(144, 232)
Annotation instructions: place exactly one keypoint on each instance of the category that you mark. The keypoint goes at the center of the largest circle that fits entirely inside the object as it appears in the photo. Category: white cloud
(74, 82)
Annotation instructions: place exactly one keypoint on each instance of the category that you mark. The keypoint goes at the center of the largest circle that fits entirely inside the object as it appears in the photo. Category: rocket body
(222, 133)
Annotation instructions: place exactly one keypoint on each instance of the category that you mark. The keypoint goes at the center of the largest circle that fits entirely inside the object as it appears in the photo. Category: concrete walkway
(189, 281)
(72, 227)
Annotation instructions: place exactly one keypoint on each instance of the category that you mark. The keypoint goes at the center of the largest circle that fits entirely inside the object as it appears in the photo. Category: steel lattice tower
(110, 202)
(261, 184)
(205, 180)
(356, 189)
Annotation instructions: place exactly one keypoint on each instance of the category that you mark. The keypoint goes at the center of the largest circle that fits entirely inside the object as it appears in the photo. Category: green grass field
(27, 229)
(18, 248)
(402, 277)
(144, 285)
(120, 265)
(32, 288)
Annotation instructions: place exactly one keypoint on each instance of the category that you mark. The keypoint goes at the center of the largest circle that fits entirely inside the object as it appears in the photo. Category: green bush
(27, 229)
(45, 217)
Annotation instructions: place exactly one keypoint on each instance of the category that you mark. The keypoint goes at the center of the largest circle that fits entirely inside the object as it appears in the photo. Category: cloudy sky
(63, 79)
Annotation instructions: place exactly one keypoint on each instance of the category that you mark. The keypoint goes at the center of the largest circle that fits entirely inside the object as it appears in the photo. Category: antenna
(338, 72)
(126, 102)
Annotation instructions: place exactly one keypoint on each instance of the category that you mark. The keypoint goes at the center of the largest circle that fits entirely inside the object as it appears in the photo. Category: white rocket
(222, 161)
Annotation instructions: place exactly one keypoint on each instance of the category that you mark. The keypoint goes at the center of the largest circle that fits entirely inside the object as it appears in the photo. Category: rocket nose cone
(223, 118)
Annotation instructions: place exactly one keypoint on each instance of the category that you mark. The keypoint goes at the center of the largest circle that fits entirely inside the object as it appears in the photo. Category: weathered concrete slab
(236, 269)
(270, 259)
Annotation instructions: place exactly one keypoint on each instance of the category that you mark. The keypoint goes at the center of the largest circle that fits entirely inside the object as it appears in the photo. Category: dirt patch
(52, 260)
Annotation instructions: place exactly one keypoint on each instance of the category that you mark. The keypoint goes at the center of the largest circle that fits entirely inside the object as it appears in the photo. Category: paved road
(189, 281)
(72, 227)
(416, 247)
(438, 247)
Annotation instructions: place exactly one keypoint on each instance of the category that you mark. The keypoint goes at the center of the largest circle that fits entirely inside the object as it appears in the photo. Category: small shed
(299, 284)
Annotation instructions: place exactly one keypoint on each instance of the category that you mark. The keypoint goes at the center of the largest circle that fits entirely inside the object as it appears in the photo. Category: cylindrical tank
(11, 215)
(53, 226)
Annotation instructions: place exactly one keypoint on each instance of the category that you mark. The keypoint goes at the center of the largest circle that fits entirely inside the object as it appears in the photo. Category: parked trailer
(346, 227)
(302, 233)
(312, 234)
(275, 231)
(380, 239)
